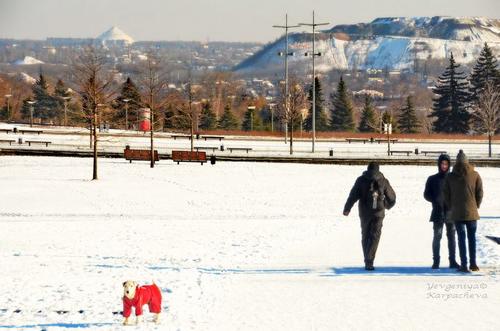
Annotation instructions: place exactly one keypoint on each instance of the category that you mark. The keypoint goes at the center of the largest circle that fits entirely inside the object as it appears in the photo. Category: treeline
(218, 101)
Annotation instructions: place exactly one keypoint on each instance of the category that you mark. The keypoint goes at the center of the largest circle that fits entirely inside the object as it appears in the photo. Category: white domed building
(115, 37)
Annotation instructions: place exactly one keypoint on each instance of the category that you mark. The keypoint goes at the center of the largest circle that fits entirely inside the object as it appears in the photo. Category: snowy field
(235, 246)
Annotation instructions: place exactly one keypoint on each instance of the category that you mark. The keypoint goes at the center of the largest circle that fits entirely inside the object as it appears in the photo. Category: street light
(31, 103)
(251, 109)
(66, 110)
(286, 55)
(126, 112)
(314, 55)
(271, 108)
(8, 96)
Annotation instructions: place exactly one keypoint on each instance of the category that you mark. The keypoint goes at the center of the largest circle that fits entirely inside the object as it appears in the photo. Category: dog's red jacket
(148, 294)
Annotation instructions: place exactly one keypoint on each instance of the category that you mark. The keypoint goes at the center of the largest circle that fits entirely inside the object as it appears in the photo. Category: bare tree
(487, 112)
(153, 82)
(190, 112)
(94, 88)
(292, 115)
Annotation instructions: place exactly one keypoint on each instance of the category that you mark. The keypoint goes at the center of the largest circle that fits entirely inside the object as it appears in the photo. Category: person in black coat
(375, 194)
(434, 194)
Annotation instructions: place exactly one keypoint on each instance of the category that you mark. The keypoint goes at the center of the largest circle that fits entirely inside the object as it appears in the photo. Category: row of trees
(456, 107)
(459, 106)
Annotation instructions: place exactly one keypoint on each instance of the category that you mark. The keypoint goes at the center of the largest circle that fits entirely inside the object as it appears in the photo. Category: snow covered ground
(235, 246)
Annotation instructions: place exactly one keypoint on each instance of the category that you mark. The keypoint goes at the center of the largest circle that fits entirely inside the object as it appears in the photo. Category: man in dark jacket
(463, 193)
(434, 194)
(375, 194)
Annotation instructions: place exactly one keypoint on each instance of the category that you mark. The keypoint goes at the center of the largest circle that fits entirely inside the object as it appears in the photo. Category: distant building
(115, 37)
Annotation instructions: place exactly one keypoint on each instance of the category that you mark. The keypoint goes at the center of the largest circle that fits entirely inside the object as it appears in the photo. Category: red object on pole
(145, 119)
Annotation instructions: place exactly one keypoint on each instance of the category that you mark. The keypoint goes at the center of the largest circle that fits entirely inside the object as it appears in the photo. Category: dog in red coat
(137, 296)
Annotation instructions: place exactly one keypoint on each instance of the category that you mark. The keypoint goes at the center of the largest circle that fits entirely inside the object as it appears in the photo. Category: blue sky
(213, 20)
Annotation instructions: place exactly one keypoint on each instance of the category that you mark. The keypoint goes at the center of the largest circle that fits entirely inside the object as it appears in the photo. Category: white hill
(385, 43)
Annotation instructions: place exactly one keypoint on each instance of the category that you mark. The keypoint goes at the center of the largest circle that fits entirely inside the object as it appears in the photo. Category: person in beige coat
(463, 193)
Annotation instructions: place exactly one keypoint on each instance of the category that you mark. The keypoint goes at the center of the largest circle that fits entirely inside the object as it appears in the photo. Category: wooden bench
(401, 152)
(38, 142)
(385, 140)
(175, 136)
(231, 149)
(10, 141)
(139, 155)
(6, 130)
(433, 152)
(188, 156)
(349, 140)
(213, 137)
(213, 148)
(23, 131)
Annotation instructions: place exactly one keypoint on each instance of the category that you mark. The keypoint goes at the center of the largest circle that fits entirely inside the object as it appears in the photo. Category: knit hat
(373, 166)
(461, 157)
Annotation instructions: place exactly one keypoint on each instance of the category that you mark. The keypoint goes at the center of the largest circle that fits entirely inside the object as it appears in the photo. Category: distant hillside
(386, 43)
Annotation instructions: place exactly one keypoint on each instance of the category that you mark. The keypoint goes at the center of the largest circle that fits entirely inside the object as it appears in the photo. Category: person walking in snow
(374, 194)
(463, 193)
(434, 193)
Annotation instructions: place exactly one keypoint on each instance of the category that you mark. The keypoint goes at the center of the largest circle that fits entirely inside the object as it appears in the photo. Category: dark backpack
(376, 196)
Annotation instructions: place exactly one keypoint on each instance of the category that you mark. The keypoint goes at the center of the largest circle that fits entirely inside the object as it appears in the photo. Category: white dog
(137, 296)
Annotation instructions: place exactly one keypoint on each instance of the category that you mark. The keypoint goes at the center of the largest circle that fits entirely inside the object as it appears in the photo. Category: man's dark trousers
(371, 230)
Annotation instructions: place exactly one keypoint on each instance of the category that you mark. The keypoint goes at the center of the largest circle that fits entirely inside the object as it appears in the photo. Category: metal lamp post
(31, 103)
(126, 112)
(314, 55)
(8, 96)
(251, 109)
(271, 108)
(66, 110)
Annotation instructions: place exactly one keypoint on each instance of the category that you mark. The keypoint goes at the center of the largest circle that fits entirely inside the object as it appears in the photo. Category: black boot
(463, 269)
(454, 264)
(369, 266)
(474, 267)
(435, 264)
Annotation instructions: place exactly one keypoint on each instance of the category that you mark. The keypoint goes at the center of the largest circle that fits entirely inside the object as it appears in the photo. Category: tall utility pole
(314, 55)
(286, 55)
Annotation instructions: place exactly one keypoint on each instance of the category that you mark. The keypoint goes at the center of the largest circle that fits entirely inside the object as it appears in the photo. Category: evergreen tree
(129, 91)
(61, 91)
(228, 121)
(321, 117)
(368, 121)
(208, 119)
(251, 120)
(407, 119)
(46, 106)
(342, 111)
(25, 109)
(268, 118)
(484, 71)
(450, 106)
